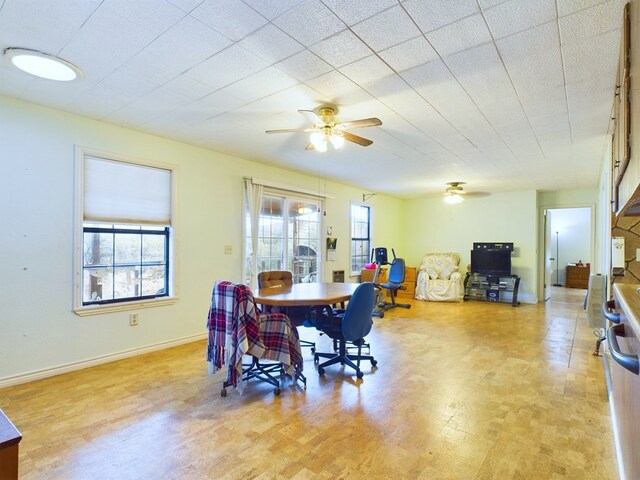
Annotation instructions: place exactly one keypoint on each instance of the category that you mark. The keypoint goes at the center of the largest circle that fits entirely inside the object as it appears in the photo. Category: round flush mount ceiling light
(42, 64)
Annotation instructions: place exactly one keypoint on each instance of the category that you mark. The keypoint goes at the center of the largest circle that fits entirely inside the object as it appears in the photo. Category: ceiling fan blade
(290, 130)
(311, 116)
(365, 122)
(365, 142)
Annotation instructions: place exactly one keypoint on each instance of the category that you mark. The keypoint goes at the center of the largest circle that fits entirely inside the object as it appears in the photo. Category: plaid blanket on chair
(237, 328)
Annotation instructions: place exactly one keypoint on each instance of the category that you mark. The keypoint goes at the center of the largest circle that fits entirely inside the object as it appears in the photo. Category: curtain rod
(288, 188)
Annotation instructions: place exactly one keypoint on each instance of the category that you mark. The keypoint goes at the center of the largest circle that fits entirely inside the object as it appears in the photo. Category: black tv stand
(492, 288)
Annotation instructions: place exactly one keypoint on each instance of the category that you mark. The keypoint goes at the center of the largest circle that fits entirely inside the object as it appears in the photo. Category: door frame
(541, 241)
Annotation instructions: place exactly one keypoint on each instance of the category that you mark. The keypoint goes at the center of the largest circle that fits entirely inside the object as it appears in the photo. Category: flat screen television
(491, 262)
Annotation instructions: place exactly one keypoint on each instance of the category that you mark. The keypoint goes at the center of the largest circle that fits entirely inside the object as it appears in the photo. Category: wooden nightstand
(577, 277)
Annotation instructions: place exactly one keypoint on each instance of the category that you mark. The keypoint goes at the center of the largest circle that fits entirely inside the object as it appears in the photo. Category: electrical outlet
(134, 319)
(228, 249)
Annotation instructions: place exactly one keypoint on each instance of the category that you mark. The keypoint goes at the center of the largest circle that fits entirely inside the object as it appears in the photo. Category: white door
(548, 256)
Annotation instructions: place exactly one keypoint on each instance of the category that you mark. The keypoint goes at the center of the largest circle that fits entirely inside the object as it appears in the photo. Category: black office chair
(351, 326)
(394, 283)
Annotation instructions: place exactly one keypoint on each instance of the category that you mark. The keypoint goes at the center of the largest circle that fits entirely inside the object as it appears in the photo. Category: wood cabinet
(621, 350)
(577, 277)
(366, 275)
(9, 440)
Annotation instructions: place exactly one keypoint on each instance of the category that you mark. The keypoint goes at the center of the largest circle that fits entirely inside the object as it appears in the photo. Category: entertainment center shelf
(492, 288)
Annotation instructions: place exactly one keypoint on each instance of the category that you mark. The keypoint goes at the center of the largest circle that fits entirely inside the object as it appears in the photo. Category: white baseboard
(70, 367)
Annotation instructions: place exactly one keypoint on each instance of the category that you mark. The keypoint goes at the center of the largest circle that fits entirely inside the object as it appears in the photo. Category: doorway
(568, 241)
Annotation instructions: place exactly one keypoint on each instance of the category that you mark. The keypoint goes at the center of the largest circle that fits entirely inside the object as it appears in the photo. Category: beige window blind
(121, 192)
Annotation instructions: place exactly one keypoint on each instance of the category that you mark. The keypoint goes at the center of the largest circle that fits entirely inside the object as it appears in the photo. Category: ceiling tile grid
(508, 94)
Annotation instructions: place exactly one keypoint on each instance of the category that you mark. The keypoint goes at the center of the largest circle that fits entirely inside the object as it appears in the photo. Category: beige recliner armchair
(439, 279)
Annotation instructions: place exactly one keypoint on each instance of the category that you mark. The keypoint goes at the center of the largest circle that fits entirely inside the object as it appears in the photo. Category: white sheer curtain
(254, 202)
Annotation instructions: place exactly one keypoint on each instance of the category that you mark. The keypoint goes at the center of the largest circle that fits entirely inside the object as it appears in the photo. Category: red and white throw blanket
(237, 328)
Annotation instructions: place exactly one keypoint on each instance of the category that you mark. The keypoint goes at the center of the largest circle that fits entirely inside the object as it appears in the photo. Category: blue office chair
(394, 283)
(351, 326)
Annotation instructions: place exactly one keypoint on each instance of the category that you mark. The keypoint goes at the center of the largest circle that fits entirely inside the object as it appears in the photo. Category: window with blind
(126, 231)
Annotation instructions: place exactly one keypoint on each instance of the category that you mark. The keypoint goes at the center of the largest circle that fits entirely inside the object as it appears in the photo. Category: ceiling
(504, 95)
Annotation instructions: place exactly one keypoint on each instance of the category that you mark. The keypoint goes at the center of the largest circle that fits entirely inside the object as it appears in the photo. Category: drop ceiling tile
(304, 66)
(28, 23)
(439, 87)
(261, 84)
(98, 103)
(341, 49)
(490, 3)
(231, 18)
(271, 43)
(180, 48)
(148, 107)
(223, 101)
(189, 87)
(533, 59)
(481, 73)
(567, 7)
(432, 15)
(185, 115)
(366, 70)
(409, 54)
(354, 11)
(333, 84)
(127, 85)
(504, 112)
(155, 16)
(591, 57)
(229, 66)
(186, 5)
(272, 9)
(518, 15)
(546, 102)
(591, 22)
(109, 37)
(461, 35)
(309, 22)
(376, 31)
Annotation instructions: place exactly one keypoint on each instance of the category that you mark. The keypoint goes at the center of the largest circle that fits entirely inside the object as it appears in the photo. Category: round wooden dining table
(306, 294)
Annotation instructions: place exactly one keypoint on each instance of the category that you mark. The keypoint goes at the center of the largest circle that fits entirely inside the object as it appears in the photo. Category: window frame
(78, 258)
(359, 239)
(287, 196)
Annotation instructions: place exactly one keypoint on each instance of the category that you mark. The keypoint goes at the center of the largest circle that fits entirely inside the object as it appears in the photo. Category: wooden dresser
(577, 277)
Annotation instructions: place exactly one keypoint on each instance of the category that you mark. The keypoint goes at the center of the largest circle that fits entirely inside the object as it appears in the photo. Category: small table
(306, 294)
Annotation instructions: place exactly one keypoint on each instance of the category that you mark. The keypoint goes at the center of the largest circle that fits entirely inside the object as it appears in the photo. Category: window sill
(125, 306)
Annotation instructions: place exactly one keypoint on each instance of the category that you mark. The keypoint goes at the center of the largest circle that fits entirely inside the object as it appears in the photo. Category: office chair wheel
(359, 374)
(313, 349)
(374, 362)
(316, 359)
(320, 371)
(223, 393)
(276, 391)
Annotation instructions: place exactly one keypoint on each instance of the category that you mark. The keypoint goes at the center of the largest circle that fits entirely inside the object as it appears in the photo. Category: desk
(306, 294)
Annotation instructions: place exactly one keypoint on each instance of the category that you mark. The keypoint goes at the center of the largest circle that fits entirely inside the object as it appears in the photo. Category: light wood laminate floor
(462, 391)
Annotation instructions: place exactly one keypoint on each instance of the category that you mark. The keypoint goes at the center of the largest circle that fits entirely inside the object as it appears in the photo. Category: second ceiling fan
(325, 128)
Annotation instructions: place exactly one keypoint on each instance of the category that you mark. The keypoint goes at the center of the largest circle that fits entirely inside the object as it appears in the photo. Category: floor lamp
(557, 284)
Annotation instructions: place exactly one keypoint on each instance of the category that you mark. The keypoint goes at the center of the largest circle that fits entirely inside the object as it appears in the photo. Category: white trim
(78, 213)
(290, 188)
(124, 306)
(370, 207)
(70, 367)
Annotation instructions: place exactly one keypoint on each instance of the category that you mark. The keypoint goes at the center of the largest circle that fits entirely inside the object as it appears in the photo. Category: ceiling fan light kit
(327, 129)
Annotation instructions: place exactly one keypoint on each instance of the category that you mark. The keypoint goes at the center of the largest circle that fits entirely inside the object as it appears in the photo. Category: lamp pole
(557, 284)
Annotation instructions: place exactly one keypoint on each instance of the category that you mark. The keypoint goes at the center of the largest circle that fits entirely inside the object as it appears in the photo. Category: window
(288, 236)
(360, 237)
(124, 262)
(125, 239)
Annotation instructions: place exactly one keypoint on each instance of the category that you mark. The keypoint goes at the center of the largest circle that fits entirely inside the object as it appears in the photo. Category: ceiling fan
(325, 128)
(454, 193)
